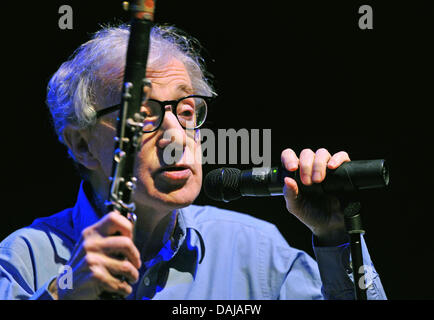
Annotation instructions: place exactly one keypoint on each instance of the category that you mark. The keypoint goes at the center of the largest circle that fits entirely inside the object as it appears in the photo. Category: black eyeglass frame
(163, 104)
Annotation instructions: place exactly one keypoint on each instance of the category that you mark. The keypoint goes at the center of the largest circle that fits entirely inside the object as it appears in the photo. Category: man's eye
(187, 113)
(151, 109)
(186, 110)
(145, 113)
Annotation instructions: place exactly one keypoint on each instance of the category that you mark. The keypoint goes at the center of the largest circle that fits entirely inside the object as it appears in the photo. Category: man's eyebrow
(185, 88)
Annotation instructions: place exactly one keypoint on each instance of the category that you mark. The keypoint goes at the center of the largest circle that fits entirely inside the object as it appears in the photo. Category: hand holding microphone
(331, 175)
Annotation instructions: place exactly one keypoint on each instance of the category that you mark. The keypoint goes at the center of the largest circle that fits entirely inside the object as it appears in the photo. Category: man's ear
(77, 141)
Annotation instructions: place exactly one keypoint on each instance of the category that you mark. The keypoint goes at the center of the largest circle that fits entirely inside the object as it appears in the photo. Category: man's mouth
(177, 172)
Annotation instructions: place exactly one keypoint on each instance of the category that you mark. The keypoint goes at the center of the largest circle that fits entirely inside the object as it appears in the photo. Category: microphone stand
(353, 225)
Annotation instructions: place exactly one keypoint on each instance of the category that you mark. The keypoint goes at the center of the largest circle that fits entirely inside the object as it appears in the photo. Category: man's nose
(173, 133)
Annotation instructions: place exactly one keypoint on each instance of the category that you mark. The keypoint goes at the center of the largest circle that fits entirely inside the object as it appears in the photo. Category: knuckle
(343, 154)
(125, 266)
(307, 150)
(120, 221)
(123, 243)
(87, 232)
(305, 168)
(127, 241)
(287, 152)
(91, 259)
(130, 272)
(319, 163)
(306, 153)
(318, 168)
(112, 217)
(123, 287)
(322, 151)
(96, 274)
(88, 245)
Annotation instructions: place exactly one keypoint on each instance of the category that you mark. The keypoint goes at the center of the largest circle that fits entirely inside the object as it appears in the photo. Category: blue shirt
(214, 254)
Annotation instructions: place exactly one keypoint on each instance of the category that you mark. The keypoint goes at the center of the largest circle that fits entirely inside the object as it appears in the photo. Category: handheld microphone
(227, 184)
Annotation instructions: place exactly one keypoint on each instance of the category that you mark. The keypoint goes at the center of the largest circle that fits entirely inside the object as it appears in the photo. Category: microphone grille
(223, 184)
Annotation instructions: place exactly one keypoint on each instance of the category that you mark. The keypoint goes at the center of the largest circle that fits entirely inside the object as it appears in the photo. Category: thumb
(290, 193)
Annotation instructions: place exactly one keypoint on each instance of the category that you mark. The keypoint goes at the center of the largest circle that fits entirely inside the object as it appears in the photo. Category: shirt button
(146, 281)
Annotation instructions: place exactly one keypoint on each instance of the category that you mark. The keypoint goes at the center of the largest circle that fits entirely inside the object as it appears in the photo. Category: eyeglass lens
(190, 111)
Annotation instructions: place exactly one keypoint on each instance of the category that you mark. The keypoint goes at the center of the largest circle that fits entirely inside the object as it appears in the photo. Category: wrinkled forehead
(168, 73)
(170, 76)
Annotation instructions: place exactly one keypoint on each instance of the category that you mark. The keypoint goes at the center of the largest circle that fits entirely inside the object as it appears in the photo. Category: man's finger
(307, 157)
(319, 167)
(289, 159)
(121, 269)
(109, 283)
(337, 159)
(114, 223)
(120, 245)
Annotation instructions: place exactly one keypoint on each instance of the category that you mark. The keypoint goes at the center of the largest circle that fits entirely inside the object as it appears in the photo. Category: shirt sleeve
(43, 293)
(17, 276)
(336, 273)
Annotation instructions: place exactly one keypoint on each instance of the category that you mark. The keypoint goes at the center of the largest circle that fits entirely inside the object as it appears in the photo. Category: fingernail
(292, 166)
(331, 163)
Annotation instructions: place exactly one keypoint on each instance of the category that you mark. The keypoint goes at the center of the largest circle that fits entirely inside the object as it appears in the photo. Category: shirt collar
(185, 237)
(83, 213)
(186, 221)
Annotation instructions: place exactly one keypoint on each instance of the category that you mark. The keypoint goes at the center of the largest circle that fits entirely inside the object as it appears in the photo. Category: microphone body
(227, 184)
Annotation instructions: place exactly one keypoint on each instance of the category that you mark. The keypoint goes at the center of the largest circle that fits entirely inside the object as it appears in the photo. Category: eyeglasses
(191, 112)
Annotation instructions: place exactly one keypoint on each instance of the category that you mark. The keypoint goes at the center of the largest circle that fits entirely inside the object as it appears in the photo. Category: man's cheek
(193, 154)
(108, 157)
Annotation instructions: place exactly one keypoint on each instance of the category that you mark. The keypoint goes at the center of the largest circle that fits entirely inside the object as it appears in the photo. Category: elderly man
(180, 251)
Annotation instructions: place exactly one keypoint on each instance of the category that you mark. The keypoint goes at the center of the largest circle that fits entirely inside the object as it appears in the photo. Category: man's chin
(178, 192)
(173, 187)
(180, 198)
(169, 198)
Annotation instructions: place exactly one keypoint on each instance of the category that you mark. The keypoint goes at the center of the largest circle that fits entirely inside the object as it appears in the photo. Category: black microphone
(227, 184)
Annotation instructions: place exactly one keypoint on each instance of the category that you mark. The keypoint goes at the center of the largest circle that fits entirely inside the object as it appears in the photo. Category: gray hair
(94, 73)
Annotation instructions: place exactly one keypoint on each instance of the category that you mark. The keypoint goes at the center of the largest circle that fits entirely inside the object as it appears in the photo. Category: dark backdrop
(304, 70)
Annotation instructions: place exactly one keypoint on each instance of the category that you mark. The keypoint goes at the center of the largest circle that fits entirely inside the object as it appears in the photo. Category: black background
(305, 70)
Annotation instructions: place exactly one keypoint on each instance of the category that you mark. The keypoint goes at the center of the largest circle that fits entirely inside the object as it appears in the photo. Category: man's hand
(321, 214)
(94, 264)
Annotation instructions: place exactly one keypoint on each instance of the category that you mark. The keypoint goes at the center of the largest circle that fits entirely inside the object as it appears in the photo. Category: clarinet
(136, 89)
